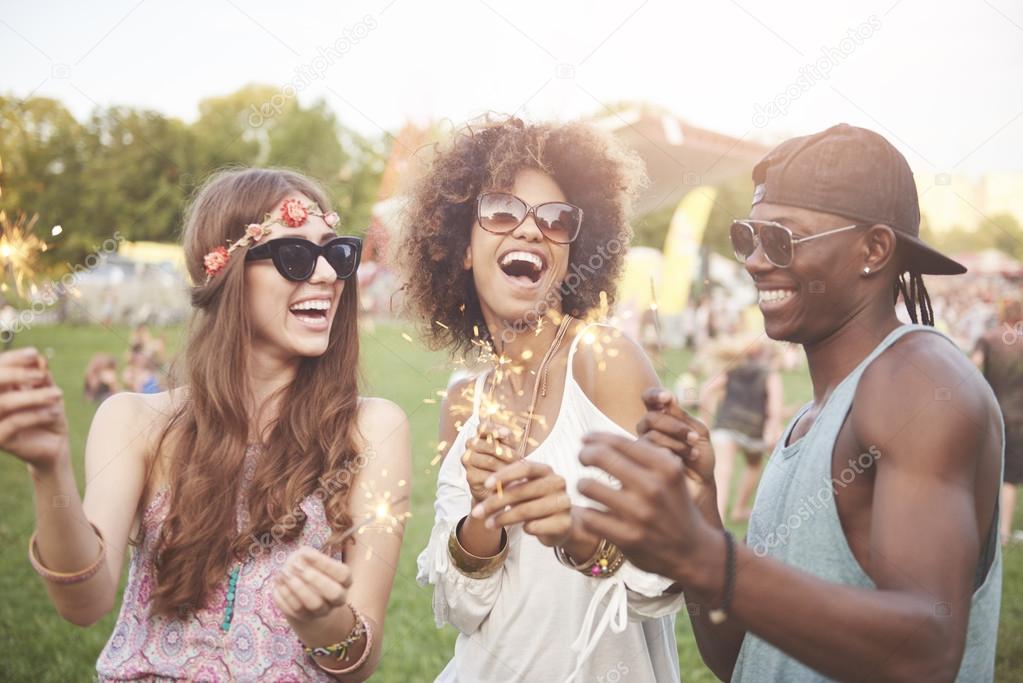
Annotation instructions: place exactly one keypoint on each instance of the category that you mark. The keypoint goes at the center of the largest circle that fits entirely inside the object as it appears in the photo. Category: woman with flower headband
(514, 234)
(236, 489)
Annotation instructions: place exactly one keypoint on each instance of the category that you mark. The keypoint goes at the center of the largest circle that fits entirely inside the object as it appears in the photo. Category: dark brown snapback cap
(854, 173)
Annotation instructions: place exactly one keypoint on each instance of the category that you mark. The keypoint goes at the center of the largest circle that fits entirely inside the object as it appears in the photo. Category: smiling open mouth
(523, 265)
(311, 311)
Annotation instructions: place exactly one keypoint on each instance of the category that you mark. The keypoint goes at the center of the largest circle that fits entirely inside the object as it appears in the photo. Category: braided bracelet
(363, 628)
(66, 578)
(340, 650)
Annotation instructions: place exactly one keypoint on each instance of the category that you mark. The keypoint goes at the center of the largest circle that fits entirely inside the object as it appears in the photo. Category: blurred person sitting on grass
(140, 374)
(515, 233)
(235, 488)
(101, 378)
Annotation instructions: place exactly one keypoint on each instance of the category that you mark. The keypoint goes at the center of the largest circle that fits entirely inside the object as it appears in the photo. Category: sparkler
(19, 248)
(381, 514)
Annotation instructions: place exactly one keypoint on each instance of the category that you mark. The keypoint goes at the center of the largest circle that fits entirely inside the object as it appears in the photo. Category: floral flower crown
(293, 214)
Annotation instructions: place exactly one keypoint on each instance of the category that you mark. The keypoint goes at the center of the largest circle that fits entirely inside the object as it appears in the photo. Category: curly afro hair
(594, 171)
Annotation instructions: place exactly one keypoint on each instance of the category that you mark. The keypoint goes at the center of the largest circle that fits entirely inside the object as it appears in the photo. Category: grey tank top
(795, 520)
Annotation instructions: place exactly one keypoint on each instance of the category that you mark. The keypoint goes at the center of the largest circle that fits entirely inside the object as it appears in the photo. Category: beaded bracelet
(340, 650)
(66, 578)
(606, 560)
(363, 627)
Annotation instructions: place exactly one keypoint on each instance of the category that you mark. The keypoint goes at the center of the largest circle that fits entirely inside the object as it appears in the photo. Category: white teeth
(312, 305)
(772, 295)
(526, 256)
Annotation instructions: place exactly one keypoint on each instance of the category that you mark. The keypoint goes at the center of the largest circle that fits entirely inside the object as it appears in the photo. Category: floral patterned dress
(259, 644)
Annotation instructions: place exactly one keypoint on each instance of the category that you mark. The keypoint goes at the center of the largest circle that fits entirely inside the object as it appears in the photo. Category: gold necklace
(540, 384)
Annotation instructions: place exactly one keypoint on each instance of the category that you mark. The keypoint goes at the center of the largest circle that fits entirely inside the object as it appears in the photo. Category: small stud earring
(866, 270)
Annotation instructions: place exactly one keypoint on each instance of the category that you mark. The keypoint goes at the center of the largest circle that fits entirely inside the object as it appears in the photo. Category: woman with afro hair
(514, 238)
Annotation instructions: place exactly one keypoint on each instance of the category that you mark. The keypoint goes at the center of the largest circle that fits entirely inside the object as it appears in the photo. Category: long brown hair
(312, 440)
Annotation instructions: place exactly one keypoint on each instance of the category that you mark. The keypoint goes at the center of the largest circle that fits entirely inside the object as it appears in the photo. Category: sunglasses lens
(558, 221)
(343, 257)
(743, 243)
(777, 243)
(296, 261)
(500, 212)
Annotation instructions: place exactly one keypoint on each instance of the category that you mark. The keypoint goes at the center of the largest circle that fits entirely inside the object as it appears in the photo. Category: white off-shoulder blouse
(536, 620)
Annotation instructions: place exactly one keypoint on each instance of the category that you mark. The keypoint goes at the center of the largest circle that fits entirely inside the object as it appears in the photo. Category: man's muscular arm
(924, 537)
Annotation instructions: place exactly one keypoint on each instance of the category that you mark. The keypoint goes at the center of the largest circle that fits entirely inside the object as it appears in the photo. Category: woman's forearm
(65, 542)
(477, 539)
(333, 628)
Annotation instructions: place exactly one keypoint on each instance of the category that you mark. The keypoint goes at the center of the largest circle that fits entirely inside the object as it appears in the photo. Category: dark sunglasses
(776, 239)
(500, 213)
(295, 258)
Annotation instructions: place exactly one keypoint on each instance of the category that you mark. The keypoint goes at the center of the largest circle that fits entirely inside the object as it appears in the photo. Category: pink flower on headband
(331, 219)
(215, 261)
(293, 213)
(254, 231)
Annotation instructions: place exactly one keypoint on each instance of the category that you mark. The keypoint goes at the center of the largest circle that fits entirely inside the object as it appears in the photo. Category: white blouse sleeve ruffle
(458, 600)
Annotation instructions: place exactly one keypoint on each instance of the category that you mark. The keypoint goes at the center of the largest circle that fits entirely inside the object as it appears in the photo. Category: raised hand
(651, 518)
(667, 425)
(311, 585)
(485, 454)
(533, 495)
(33, 426)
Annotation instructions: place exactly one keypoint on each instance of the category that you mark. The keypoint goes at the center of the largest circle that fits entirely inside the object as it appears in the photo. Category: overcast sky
(941, 79)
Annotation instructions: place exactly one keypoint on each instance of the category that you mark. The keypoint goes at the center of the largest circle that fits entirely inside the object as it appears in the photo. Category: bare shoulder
(613, 371)
(456, 407)
(380, 414)
(122, 442)
(138, 414)
(382, 423)
(925, 388)
(609, 362)
(383, 435)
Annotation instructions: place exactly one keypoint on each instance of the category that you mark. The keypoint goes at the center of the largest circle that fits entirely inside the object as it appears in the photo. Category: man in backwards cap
(872, 549)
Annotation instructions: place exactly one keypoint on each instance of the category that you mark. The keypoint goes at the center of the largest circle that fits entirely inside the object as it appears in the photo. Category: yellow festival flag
(682, 248)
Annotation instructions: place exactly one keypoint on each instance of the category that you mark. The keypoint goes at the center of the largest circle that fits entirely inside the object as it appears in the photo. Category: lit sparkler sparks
(19, 248)
(382, 516)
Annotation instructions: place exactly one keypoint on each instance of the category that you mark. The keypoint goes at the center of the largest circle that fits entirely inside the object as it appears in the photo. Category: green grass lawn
(36, 645)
